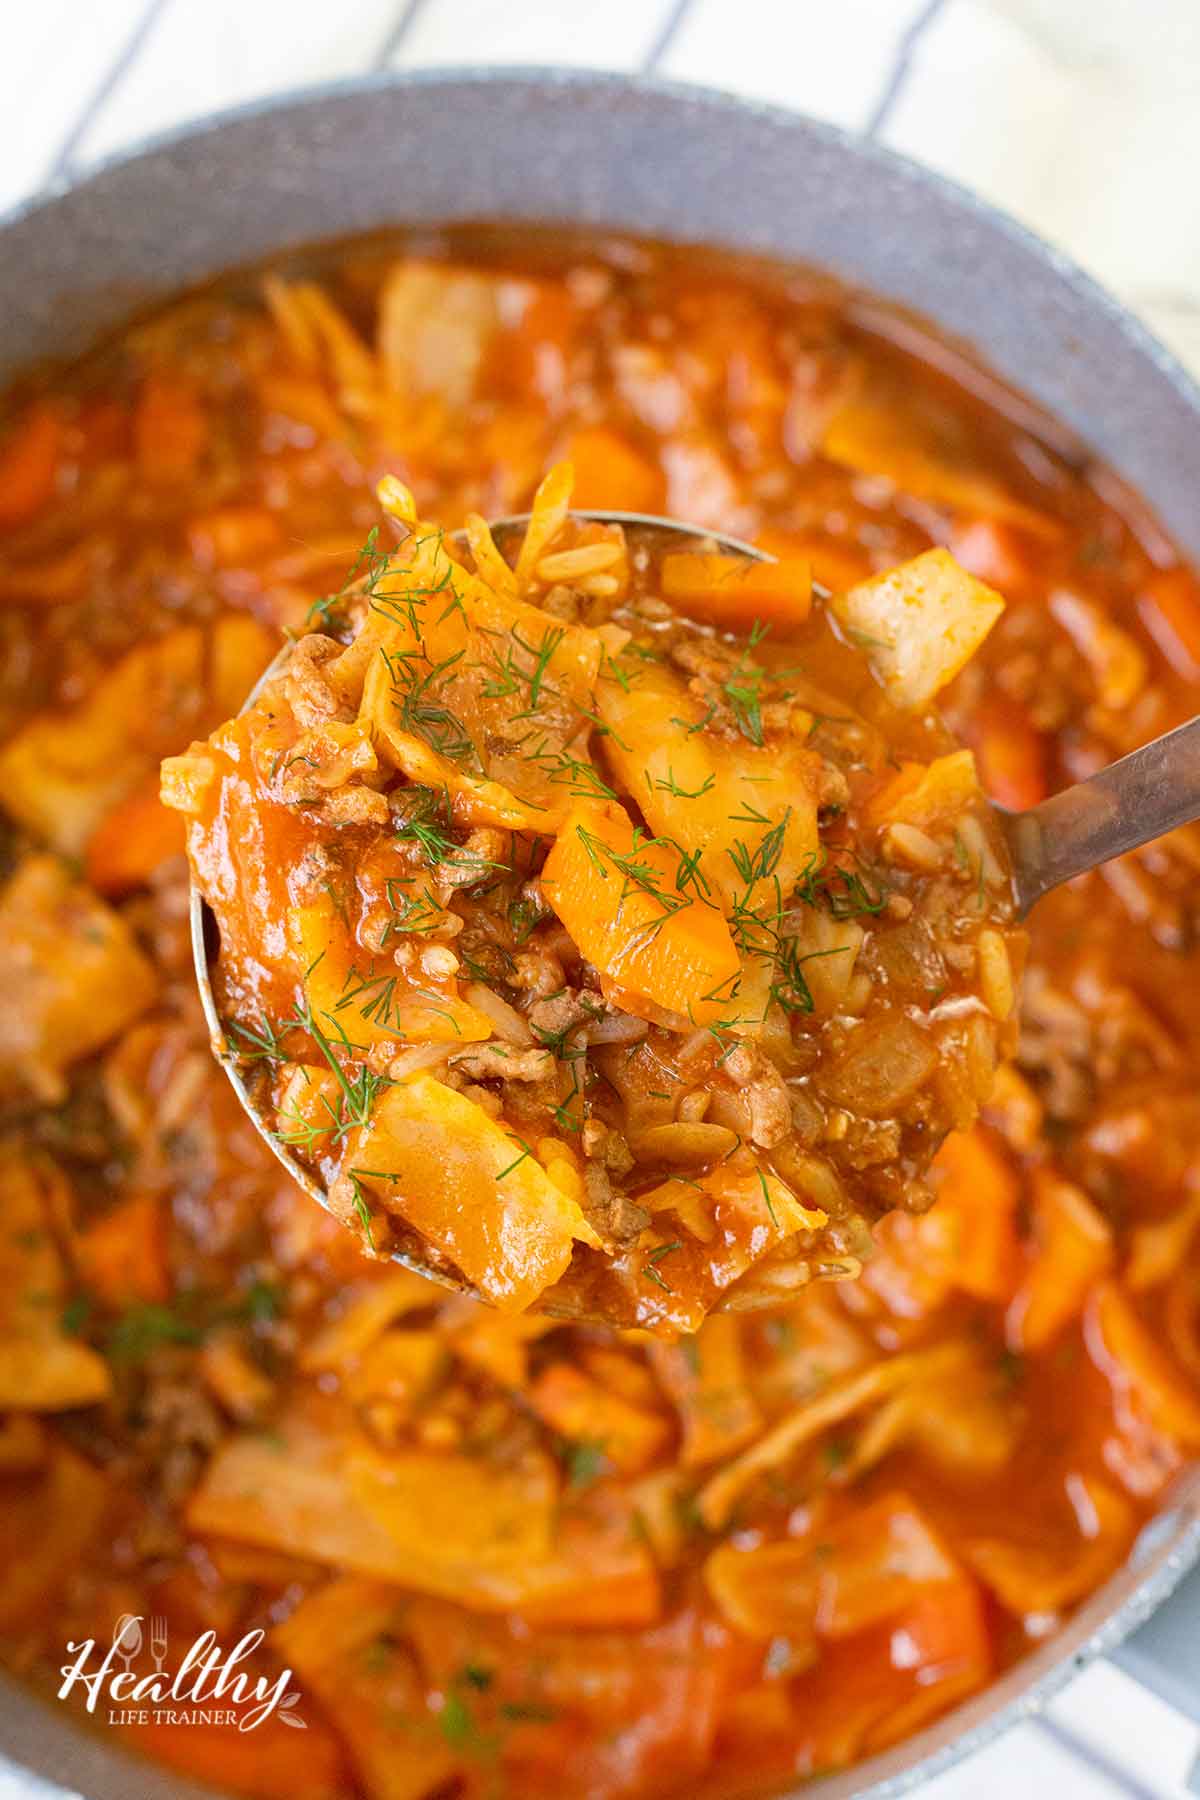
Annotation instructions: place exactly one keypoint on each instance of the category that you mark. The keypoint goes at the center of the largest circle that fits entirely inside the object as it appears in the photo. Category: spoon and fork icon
(128, 1639)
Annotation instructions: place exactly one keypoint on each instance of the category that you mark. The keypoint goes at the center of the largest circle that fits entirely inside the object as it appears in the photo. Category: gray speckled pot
(657, 160)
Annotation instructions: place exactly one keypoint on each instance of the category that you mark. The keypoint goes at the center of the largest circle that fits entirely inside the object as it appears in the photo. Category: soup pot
(658, 160)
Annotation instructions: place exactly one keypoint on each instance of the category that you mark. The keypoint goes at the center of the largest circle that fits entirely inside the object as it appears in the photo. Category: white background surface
(1082, 117)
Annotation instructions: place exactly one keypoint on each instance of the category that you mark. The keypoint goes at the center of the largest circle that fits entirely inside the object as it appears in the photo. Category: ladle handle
(1146, 794)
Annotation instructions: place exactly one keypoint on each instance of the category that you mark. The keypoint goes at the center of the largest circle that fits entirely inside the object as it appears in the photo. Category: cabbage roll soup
(593, 958)
(621, 930)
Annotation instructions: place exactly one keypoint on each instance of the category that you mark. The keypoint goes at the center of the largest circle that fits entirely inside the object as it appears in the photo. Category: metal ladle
(1143, 796)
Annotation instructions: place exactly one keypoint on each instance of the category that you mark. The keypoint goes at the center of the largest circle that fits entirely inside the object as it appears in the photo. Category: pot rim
(1169, 1544)
(857, 146)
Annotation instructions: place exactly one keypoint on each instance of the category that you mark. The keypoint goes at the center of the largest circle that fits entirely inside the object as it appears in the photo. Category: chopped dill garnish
(585, 1461)
(517, 1160)
(372, 560)
(428, 825)
(651, 1270)
(421, 709)
(411, 913)
(743, 688)
(141, 1330)
(362, 1210)
(532, 1712)
(972, 868)
(359, 1092)
(581, 778)
(508, 675)
(457, 1722)
(766, 1194)
(261, 1043)
(523, 918)
(669, 785)
(690, 730)
(841, 891)
(638, 874)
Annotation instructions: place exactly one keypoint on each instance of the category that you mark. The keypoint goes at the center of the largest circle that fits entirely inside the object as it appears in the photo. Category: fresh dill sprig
(359, 1091)
(651, 1270)
(843, 892)
(512, 673)
(743, 688)
(371, 559)
(261, 1043)
(421, 708)
(638, 874)
(580, 777)
(428, 825)
(669, 785)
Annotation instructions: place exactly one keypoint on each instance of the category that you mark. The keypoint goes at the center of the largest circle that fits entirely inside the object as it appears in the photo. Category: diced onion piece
(881, 1066)
(919, 623)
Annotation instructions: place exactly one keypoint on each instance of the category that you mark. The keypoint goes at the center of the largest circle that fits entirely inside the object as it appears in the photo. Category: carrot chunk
(231, 537)
(623, 898)
(732, 592)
